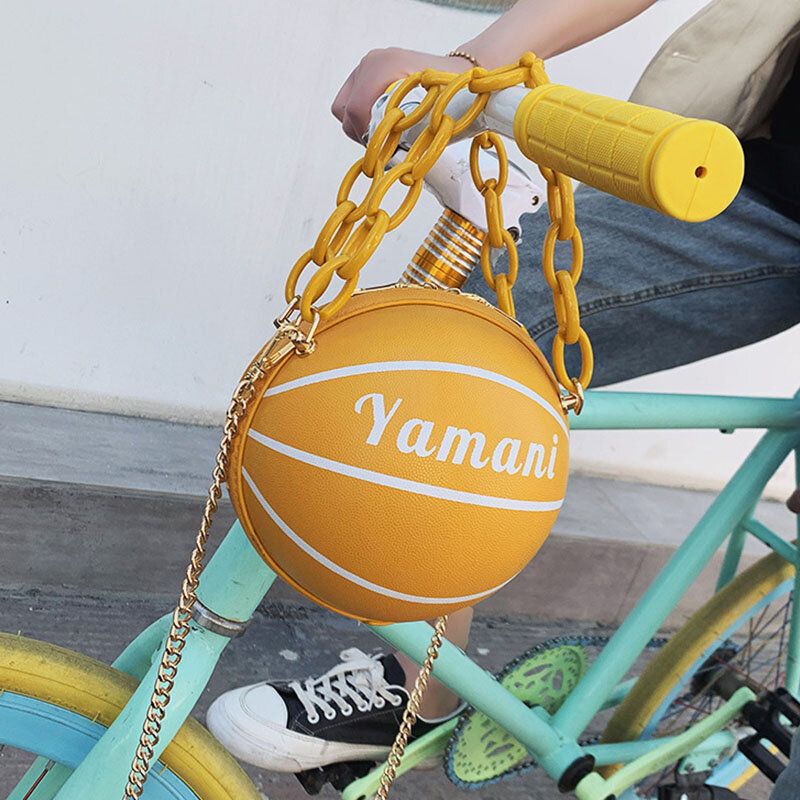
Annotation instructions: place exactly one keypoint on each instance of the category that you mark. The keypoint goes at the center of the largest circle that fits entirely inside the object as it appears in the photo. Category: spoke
(47, 769)
(678, 723)
(779, 660)
(692, 707)
(749, 671)
(759, 628)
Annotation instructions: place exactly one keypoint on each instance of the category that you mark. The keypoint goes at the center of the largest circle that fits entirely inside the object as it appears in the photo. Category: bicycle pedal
(767, 716)
(339, 775)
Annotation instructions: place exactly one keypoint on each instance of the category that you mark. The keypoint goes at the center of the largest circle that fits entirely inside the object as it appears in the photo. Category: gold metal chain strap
(412, 711)
(346, 242)
(290, 337)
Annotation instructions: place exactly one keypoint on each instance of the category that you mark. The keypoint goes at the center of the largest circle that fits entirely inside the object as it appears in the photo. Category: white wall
(162, 165)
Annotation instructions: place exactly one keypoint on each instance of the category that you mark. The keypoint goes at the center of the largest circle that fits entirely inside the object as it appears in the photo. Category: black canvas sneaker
(351, 713)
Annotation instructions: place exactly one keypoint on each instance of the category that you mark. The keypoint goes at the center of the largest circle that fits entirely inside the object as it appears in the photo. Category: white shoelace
(358, 680)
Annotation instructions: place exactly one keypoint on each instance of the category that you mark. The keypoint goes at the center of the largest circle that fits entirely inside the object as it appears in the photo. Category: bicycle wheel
(55, 703)
(743, 629)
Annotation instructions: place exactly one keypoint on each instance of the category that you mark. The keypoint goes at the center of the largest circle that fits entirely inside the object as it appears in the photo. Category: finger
(365, 91)
(340, 101)
(351, 127)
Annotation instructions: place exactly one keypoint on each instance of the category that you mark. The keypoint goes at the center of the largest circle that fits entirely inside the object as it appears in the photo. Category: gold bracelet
(462, 54)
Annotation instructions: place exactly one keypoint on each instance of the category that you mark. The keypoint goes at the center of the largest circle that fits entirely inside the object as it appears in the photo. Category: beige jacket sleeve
(727, 63)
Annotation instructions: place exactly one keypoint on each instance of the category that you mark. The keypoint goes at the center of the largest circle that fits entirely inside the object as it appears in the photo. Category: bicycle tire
(679, 660)
(97, 692)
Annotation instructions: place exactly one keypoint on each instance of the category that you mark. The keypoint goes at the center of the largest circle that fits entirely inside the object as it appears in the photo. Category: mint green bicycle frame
(236, 580)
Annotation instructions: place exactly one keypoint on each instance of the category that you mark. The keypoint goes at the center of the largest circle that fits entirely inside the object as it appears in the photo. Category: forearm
(549, 27)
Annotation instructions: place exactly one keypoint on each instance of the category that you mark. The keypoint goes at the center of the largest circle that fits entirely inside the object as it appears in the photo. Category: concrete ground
(97, 515)
(283, 641)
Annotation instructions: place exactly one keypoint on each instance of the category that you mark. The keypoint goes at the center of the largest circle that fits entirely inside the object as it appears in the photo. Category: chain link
(562, 283)
(497, 235)
(355, 229)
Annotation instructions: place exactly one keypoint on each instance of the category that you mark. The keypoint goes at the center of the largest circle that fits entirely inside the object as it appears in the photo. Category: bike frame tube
(733, 554)
(793, 661)
(138, 656)
(783, 548)
(236, 578)
(639, 410)
(625, 752)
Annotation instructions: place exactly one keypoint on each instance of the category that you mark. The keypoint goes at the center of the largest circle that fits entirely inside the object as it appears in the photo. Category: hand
(376, 71)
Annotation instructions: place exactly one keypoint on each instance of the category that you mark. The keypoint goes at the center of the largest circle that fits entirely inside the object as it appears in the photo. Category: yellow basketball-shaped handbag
(411, 465)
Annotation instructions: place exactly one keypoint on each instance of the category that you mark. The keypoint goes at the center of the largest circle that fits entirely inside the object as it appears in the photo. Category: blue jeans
(657, 293)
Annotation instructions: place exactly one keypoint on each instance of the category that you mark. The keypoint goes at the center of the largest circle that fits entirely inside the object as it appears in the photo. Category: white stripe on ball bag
(350, 576)
(418, 366)
(404, 484)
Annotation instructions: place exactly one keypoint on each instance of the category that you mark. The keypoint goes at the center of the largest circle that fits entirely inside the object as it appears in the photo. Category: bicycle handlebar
(690, 169)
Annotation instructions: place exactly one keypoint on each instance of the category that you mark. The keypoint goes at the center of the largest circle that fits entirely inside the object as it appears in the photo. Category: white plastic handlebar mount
(450, 181)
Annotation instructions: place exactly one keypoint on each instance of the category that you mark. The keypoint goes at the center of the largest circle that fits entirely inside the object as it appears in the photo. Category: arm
(548, 27)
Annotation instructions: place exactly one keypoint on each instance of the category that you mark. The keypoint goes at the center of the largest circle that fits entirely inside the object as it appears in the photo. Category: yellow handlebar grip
(690, 169)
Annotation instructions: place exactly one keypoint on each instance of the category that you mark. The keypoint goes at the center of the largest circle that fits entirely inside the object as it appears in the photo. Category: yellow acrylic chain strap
(562, 282)
(354, 230)
(497, 234)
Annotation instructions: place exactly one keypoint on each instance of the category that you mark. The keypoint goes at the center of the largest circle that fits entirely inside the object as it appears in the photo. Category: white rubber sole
(277, 749)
